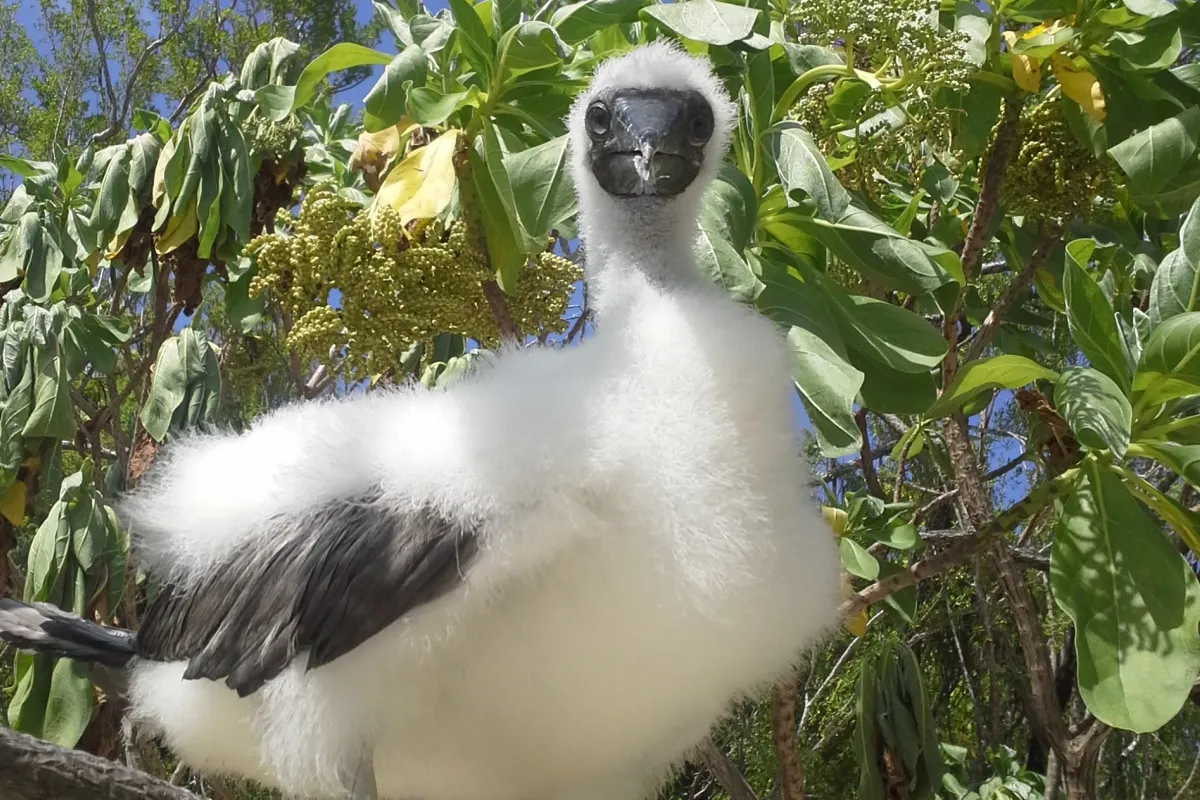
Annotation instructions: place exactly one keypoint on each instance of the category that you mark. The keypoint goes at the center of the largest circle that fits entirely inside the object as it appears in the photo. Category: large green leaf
(22, 248)
(385, 104)
(180, 363)
(279, 101)
(828, 385)
(1134, 601)
(1090, 318)
(577, 21)
(1184, 459)
(505, 251)
(68, 704)
(895, 336)
(890, 391)
(977, 28)
(727, 215)
(51, 416)
(1095, 408)
(873, 247)
(975, 377)
(1176, 287)
(705, 20)
(1170, 364)
(1156, 155)
(476, 44)
(542, 186)
(857, 561)
(428, 106)
(804, 172)
(531, 46)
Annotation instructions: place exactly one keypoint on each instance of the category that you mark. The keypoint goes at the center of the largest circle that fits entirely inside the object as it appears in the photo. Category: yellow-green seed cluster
(1052, 175)
(399, 285)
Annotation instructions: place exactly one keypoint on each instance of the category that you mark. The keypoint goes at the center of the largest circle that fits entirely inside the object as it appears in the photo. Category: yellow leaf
(420, 186)
(1079, 85)
(857, 623)
(159, 190)
(375, 151)
(117, 244)
(12, 505)
(1025, 69)
(180, 228)
(836, 518)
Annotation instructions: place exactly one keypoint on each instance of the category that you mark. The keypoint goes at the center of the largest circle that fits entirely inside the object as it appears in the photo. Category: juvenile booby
(545, 582)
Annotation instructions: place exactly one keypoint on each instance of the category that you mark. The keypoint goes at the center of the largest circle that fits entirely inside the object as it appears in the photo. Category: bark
(783, 735)
(725, 771)
(36, 770)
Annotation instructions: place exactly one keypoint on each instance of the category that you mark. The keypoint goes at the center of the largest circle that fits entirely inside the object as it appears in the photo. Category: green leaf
(505, 15)
(51, 417)
(870, 246)
(705, 20)
(1156, 155)
(988, 374)
(578, 21)
(385, 104)
(857, 561)
(828, 385)
(804, 172)
(727, 212)
(1095, 408)
(1089, 316)
(1150, 8)
(1148, 49)
(505, 252)
(1184, 459)
(1176, 286)
(280, 101)
(1170, 364)
(23, 247)
(1134, 601)
(114, 192)
(531, 46)
(168, 387)
(428, 106)
(977, 28)
(477, 45)
(845, 102)
(890, 391)
(898, 535)
(68, 704)
(542, 188)
(892, 335)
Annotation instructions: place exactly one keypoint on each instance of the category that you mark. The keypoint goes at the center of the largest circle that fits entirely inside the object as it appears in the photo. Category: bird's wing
(322, 582)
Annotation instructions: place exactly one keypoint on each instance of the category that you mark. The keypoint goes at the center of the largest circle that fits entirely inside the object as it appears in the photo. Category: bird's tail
(42, 628)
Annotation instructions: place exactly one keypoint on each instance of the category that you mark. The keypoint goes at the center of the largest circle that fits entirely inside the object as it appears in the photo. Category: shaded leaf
(1134, 601)
(705, 20)
(828, 385)
(1154, 156)
(1090, 317)
(1095, 408)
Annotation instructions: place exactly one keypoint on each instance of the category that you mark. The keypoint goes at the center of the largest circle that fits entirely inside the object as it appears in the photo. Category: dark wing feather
(321, 583)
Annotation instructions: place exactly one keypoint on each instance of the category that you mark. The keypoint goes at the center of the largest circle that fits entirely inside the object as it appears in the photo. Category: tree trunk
(36, 770)
(1080, 769)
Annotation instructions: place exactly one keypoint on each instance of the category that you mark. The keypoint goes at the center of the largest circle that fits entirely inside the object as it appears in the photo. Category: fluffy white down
(650, 553)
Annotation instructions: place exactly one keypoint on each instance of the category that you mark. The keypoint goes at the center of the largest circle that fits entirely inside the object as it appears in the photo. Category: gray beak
(648, 142)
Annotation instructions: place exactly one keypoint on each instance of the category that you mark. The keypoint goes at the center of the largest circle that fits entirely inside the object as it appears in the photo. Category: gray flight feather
(322, 582)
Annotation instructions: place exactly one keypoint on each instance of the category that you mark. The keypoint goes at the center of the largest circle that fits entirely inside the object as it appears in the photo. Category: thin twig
(725, 771)
(1191, 777)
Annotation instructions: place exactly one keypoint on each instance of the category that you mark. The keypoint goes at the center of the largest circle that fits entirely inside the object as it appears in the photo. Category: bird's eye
(700, 127)
(597, 119)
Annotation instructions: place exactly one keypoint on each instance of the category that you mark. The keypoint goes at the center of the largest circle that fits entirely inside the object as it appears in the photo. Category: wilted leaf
(1026, 70)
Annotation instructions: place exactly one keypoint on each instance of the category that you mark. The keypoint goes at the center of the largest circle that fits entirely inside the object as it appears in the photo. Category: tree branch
(725, 771)
(1047, 238)
(37, 770)
(783, 736)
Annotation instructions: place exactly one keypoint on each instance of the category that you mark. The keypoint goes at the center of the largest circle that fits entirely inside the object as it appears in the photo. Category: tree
(978, 228)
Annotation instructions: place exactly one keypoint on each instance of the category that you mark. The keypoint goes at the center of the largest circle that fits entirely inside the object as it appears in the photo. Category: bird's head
(651, 128)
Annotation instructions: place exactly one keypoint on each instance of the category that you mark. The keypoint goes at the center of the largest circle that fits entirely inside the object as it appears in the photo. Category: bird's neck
(635, 246)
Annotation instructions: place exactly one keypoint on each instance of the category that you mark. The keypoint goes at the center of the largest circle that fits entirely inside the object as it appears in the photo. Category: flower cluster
(398, 285)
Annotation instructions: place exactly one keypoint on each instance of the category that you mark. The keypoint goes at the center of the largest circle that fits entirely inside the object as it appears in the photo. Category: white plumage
(647, 552)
